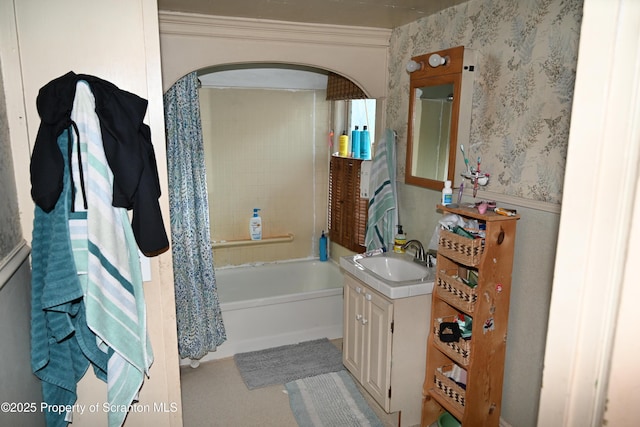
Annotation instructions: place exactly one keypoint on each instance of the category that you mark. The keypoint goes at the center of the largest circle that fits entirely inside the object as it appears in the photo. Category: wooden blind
(340, 88)
(347, 210)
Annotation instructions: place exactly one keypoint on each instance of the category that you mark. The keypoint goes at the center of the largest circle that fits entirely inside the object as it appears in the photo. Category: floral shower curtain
(199, 319)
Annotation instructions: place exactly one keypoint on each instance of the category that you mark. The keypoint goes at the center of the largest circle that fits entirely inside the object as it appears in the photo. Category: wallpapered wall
(527, 51)
(10, 231)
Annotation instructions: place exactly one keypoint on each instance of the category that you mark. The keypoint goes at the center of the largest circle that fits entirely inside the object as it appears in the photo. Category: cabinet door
(353, 327)
(378, 316)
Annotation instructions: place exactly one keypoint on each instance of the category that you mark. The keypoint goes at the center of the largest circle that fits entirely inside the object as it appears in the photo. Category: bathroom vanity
(385, 331)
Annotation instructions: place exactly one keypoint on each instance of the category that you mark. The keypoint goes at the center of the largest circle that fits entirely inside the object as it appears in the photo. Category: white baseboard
(10, 264)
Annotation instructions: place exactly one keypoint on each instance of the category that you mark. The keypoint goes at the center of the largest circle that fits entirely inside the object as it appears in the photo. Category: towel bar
(247, 242)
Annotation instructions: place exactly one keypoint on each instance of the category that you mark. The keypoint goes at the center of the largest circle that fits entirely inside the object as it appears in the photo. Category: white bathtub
(280, 303)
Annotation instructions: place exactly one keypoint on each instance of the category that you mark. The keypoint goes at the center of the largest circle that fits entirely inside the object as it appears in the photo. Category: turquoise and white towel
(383, 205)
(113, 292)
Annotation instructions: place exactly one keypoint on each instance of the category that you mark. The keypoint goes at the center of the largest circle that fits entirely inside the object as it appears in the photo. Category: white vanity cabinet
(384, 346)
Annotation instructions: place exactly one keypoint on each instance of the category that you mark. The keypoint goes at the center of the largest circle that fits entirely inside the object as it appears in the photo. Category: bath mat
(330, 400)
(280, 365)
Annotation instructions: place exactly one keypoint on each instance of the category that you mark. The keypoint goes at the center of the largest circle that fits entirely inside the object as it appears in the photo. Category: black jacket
(127, 146)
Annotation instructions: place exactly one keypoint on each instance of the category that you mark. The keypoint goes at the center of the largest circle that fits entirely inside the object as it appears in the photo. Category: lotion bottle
(255, 226)
(447, 193)
(344, 144)
(355, 143)
(365, 144)
(323, 247)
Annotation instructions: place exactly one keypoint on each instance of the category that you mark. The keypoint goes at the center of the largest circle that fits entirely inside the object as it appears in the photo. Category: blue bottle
(355, 143)
(323, 247)
(365, 144)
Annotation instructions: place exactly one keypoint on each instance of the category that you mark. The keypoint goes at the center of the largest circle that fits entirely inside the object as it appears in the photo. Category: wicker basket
(447, 388)
(459, 351)
(454, 291)
(461, 249)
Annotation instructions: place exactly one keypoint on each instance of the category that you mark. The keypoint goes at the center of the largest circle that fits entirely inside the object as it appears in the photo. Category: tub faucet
(419, 256)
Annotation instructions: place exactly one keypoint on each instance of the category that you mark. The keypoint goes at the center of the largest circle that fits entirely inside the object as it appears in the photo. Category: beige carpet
(214, 395)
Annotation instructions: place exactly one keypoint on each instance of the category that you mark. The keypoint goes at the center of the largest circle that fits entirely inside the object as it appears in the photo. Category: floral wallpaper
(523, 90)
(10, 230)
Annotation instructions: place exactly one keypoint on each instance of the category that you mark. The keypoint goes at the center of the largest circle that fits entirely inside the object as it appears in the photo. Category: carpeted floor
(214, 395)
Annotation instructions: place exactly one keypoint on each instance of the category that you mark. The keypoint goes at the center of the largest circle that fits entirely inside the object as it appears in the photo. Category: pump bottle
(399, 241)
(255, 226)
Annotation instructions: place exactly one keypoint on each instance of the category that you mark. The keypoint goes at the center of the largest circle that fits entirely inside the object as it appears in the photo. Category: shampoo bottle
(255, 226)
(365, 144)
(355, 143)
(447, 193)
(399, 240)
(344, 144)
(323, 247)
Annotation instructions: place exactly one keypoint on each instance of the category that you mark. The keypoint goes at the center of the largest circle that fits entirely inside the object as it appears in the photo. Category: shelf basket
(459, 351)
(461, 249)
(454, 291)
(447, 388)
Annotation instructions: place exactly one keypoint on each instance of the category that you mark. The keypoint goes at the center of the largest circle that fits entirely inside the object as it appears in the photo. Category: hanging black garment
(127, 146)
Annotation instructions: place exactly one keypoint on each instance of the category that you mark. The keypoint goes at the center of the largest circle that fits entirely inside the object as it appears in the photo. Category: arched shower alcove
(268, 133)
(200, 43)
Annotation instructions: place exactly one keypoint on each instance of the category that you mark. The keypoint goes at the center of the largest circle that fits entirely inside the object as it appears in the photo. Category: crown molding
(187, 24)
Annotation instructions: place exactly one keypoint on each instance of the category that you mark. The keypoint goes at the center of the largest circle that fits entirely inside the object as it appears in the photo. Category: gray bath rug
(280, 365)
(330, 400)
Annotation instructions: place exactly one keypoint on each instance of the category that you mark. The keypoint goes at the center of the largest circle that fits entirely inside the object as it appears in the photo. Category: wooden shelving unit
(482, 356)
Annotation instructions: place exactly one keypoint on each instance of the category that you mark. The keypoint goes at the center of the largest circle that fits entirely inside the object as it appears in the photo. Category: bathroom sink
(396, 269)
(394, 275)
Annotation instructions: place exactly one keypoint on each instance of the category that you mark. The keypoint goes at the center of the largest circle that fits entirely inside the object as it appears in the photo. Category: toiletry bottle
(399, 240)
(255, 226)
(344, 144)
(447, 193)
(355, 143)
(365, 144)
(323, 247)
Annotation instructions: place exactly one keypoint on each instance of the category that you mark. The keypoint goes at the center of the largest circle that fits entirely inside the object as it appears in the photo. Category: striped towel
(383, 206)
(114, 299)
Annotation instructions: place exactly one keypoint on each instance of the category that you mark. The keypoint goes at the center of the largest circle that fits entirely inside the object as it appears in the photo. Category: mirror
(436, 100)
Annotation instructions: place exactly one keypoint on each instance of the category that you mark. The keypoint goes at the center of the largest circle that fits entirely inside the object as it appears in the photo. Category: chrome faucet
(419, 255)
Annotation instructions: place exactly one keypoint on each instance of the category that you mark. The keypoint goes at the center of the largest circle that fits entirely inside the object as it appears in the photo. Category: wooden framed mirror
(437, 96)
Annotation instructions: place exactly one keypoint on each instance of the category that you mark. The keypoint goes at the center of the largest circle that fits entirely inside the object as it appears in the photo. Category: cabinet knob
(368, 297)
(358, 316)
(364, 321)
(359, 289)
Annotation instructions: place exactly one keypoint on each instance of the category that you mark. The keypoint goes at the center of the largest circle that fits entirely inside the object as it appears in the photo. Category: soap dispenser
(255, 226)
(399, 241)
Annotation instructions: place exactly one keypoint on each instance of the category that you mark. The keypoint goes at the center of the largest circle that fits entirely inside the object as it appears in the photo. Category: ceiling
(361, 13)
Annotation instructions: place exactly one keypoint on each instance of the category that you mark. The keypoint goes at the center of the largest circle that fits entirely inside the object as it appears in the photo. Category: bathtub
(279, 303)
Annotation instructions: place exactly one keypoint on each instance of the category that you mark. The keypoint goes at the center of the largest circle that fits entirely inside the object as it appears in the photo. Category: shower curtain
(199, 319)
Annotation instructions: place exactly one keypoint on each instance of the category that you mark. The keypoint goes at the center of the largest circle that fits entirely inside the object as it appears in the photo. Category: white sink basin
(396, 269)
(394, 275)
